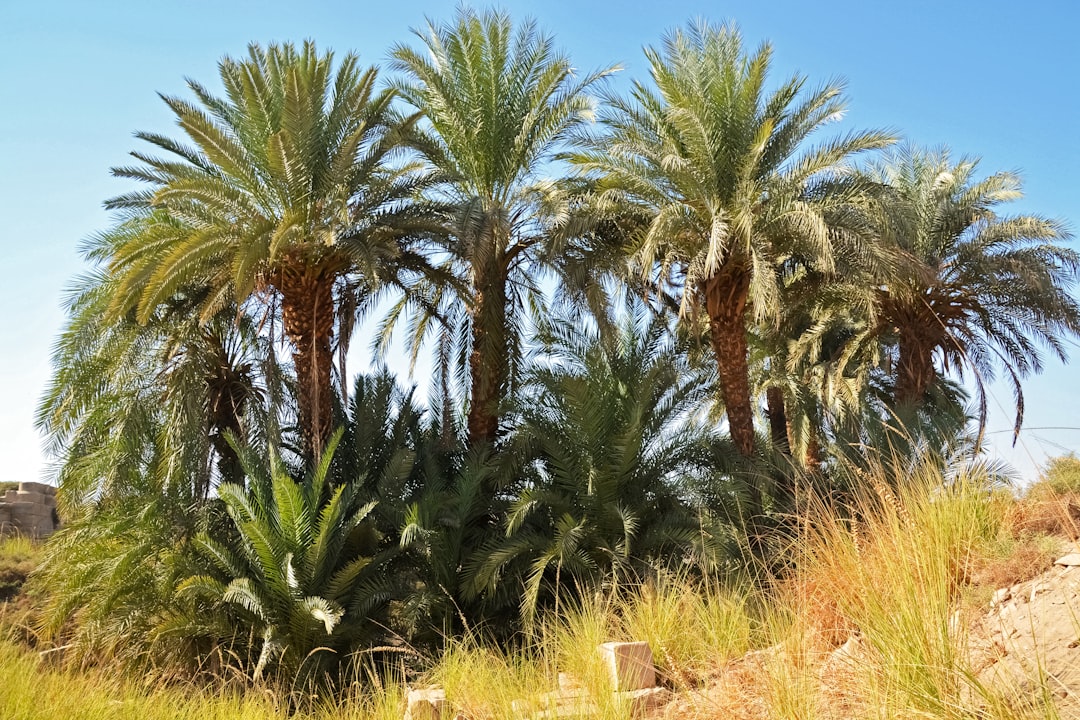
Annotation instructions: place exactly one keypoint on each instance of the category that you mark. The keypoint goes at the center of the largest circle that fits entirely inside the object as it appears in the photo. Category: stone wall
(29, 511)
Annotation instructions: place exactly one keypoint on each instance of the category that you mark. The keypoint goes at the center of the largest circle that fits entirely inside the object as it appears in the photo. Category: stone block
(35, 487)
(25, 509)
(629, 665)
(30, 497)
(642, 703)
(568, 683)
(561, 704)
(1070, 560)
(428, 704)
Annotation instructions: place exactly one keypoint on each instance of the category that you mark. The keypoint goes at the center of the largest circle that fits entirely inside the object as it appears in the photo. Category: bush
(1061, 476)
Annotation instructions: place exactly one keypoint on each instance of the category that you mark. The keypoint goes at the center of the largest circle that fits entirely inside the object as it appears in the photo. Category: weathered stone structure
(29, 511)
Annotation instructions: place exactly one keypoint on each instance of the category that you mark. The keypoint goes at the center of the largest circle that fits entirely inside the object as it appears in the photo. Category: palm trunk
(778, 422)
(784, 473)
(813, 452)
(307, 311)
(725, 301)
(914, 370)
(225, 411)
(488, 360)
(228, 388)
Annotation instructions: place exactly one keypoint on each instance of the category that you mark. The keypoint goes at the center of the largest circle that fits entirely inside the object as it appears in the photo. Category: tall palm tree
(984, 291)
(499, 103)
(719, 169)
(288, 185)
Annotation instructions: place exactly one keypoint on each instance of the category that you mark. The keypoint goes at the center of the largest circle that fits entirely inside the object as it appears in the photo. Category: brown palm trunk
(725, 299)
(813, 452)
(488, 360)
(307, 311)
(778, 422)
(914, 370)
(225, 411)
(784, 472)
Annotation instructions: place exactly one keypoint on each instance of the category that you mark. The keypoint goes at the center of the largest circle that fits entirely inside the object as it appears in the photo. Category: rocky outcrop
(29, 511)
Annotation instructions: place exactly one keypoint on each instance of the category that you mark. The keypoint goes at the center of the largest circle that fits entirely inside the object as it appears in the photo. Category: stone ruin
(29, 511)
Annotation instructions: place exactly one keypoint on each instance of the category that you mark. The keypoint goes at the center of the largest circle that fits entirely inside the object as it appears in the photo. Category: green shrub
(1060, 476)
(290, 577)
(19, 557)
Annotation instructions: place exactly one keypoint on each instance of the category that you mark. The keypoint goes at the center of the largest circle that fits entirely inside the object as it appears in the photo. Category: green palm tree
(719, 171)
(611, 424)
(126, 396)
(499, 103)
(985, 291)
(288, 185)
(291, 572)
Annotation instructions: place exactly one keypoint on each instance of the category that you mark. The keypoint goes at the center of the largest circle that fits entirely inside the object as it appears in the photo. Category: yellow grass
(898, 570)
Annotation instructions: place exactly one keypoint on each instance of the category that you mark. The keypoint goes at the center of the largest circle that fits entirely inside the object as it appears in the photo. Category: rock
(568, 703)
(850, 651)
(1070, 560)
(582, 709)
(428, 704)
(36, 487)
(640, 703)
(630, 665)
(1001, 596)
(569, 683)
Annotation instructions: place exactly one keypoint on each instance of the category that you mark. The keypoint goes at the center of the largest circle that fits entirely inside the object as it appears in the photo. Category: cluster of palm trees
(601, 276)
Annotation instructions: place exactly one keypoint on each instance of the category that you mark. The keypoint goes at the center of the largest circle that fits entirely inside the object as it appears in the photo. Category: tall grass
(889, 573)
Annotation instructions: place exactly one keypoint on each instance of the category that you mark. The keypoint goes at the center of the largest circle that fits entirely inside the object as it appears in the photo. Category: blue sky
(1000, 80)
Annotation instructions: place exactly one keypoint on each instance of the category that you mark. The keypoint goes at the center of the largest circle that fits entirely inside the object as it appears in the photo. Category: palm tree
(984, 290)
(125, 396)
(499, 104)
(719, 171)
(289, 185)
(611, 424)
(291, 572)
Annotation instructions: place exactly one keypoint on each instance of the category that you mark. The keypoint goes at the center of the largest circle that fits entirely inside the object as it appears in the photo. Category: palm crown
(717, 167)
(499, 104)
(986, 291)
(288, 186)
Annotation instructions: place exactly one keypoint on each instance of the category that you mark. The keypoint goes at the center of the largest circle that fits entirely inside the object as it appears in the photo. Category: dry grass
(871, 624)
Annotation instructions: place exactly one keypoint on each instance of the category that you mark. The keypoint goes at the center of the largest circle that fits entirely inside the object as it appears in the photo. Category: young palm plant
(499, 102)
(289, 185)
(612, 424)
(719, 169)
(292, 572)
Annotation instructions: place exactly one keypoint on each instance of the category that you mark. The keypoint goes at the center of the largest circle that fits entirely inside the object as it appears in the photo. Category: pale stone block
(640, 703)
(428, 704)
(1070, 560)
(35, 487)
(553, 705)
(31, 497)
(568, 683)
(630, 665)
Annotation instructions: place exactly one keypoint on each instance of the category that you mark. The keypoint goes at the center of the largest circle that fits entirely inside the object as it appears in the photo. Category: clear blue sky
(996, 79)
